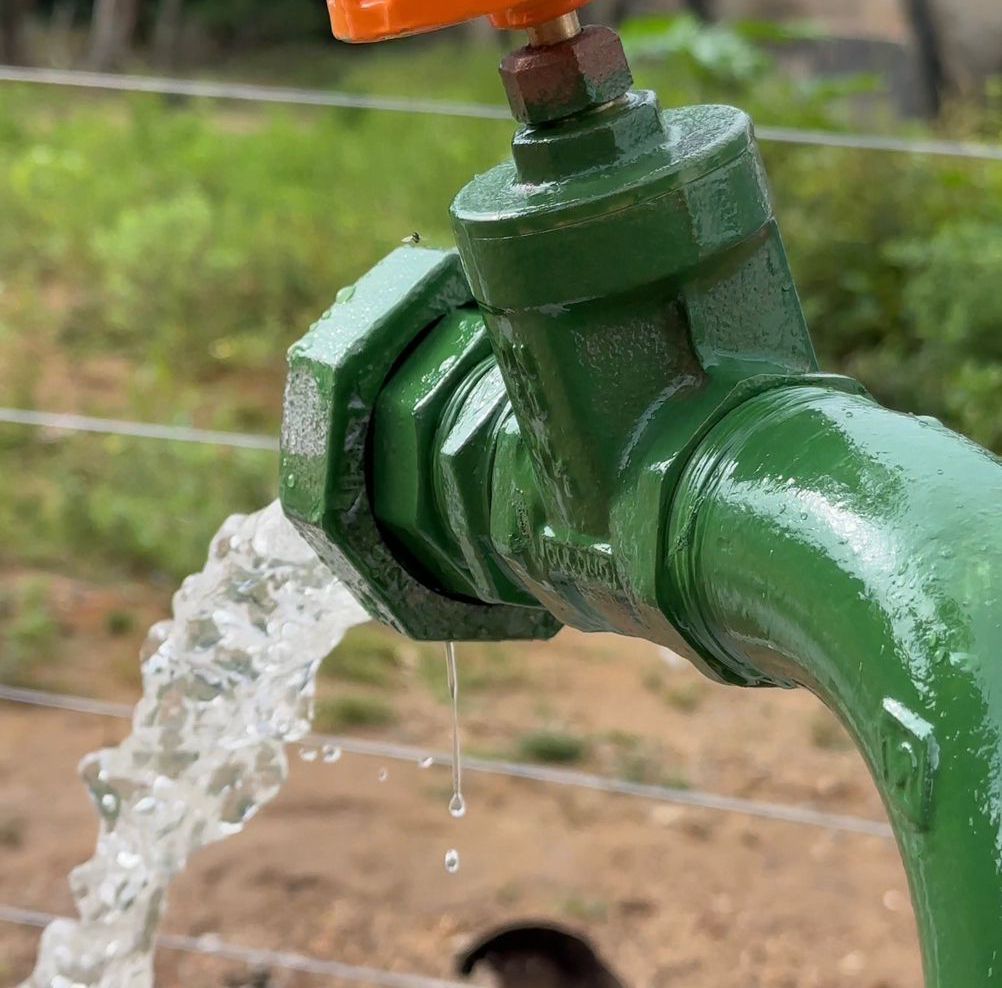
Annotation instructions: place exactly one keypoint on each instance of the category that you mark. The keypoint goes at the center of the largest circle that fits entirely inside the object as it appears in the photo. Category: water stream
(226, 685)
(457, 805)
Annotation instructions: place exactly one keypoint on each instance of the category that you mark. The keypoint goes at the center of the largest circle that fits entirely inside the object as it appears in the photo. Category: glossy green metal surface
(825, 541)
(612, 418)
(625, 260)
(336, 372)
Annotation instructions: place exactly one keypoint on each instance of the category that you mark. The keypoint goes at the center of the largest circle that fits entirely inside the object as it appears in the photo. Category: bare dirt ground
(343, 866)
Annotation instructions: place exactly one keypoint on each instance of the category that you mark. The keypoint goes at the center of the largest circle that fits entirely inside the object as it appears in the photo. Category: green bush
(367, 655)
(89, 503)
(552, 747)
(352, 711)
(197, 240)
(896, 259)
(29, 634)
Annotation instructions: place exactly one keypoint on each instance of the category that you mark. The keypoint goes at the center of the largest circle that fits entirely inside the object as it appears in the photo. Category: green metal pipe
(605, 411)
(831, 543)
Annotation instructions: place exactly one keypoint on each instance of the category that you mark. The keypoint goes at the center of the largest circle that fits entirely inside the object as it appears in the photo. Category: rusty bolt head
(549, 83)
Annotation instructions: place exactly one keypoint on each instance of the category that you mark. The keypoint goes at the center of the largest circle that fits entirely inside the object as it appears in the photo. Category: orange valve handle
(377, 20)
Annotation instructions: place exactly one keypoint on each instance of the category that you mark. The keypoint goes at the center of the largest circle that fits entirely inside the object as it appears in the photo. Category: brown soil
(342, 866)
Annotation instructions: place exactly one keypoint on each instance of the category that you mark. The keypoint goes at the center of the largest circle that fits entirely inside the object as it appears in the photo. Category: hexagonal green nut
(466, 461)
(336, 373)
(409, 418)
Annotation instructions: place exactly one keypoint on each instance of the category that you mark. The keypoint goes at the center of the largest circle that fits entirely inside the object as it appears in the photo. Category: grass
(157, 260)
(368, 655)
(686, 696)
(482, 669)
(333, 715)
(640, 760)
(584, 910)
(827, 733)
(119, 623)
(29, 634)
(12, 831)
(552, 748)
(88, 504)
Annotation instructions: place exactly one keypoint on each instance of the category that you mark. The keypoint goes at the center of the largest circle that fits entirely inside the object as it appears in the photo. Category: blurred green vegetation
(158, 256)
(29, 633)
(344, 712)
(552, 747)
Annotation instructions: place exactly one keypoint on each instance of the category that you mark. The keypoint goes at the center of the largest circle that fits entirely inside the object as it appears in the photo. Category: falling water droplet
(109, 803)
(426, 762)
(452, 861)
(308, 754)
(457, 765)
(383, 775)
(331, 753)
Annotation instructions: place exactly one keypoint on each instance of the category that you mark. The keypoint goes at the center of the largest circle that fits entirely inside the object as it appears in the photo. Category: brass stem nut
(546, 84)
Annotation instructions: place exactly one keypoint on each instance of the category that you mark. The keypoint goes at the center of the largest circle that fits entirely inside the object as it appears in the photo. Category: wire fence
(243, 92)
(211, 945)
(534, 773)
(696, 799)
(61, 422)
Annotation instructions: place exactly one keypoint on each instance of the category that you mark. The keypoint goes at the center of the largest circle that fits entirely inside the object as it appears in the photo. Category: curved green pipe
(858, 552)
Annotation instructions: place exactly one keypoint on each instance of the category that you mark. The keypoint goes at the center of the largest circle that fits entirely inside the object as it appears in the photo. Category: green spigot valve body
(605, 411)
(612, 261)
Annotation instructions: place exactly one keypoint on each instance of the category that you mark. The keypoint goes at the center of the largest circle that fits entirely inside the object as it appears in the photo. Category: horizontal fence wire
(696, 799)
(483, 111)
(137, 430)
(532, 773)
(245, 92)
(211, 945)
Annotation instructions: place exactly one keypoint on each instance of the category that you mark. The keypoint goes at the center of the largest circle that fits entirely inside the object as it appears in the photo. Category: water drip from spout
(457, 805)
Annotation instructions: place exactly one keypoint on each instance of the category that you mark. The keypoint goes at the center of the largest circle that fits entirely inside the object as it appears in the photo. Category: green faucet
(604, 411)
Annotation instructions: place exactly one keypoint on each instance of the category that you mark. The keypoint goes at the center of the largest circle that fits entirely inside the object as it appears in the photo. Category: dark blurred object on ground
(539, 957)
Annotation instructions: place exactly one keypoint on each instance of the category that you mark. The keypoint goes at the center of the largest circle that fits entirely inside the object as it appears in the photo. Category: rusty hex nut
(548, 83)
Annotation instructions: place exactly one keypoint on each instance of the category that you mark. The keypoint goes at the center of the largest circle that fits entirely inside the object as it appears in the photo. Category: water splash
(226, 685)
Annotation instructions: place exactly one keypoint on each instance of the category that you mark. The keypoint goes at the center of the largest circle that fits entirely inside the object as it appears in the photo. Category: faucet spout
(832, 544)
